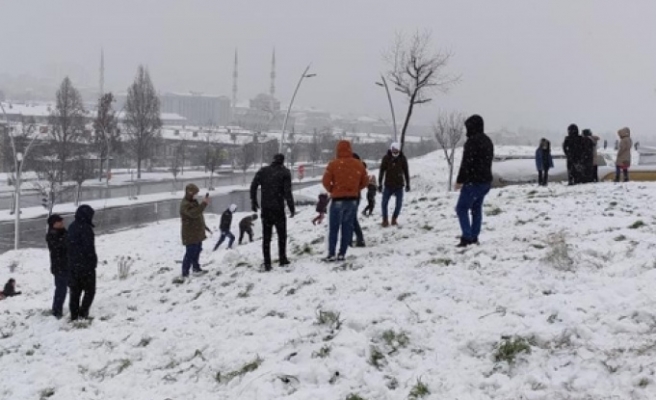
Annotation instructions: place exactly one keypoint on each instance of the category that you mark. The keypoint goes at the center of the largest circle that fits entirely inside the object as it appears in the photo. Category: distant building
(263, 114)
(198, 109)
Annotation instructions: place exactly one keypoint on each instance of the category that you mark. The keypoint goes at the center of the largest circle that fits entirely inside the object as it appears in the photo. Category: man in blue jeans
(392, 178)
(344, 178)
(474, 179)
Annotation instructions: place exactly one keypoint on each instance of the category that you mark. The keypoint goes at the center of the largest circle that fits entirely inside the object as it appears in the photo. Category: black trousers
(543, 177)
(276, 219)
(242, 232)
(79, 283)
(371, 204)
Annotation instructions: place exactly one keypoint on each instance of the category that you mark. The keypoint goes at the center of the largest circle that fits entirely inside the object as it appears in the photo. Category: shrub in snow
(419, 390)
(558, 253)
(124, 265)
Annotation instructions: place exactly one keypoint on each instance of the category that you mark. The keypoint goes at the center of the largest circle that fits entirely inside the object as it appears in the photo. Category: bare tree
(50, 184)
(246, 157)
(66, 124)
(82, 171)
(416, 70)
(176, 162)
(142, 117)
(107, 135)
(215, 156)
(449, 130)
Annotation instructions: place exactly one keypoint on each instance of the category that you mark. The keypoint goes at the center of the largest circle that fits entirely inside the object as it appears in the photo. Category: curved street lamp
(389, 98)
(289, 109)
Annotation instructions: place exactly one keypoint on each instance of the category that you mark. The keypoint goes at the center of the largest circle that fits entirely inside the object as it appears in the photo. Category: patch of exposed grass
(419, 390)
(620, 238)
(637, 224)
(395, 340)
(246, 368)
(330, 319)
(403, 296)
(323, 352)
(46, 393)
(376, 358)
(492, 212)
(509, 348)
(354, 396)
(247, 291)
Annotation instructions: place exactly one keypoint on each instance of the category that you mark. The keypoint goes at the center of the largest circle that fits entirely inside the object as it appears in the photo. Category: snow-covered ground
(556, 303)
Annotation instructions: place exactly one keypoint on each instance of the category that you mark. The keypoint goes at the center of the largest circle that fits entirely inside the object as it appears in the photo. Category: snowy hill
(556, 303)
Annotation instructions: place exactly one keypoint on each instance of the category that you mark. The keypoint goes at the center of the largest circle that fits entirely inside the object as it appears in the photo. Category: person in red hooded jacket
(343, 179)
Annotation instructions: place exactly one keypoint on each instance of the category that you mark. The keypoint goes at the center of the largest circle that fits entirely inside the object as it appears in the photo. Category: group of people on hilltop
(73, 263)
(582, 159)
(344, 179)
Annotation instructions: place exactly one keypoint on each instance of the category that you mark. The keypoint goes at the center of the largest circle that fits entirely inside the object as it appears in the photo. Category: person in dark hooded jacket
(246, 227)
(224, 227)
(474, 179)
(276, 183)
(57, 246)
(82, 262)
(576, 149)
(392, 177)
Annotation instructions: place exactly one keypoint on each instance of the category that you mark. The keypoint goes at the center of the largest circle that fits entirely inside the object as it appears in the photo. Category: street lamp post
(389, 98)
(289, 109)
(18, 167)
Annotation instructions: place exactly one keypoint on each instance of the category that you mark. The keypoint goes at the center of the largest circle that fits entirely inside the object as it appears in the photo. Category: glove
(407, 188)
(255, 206)
(380, 189)
(292, 213)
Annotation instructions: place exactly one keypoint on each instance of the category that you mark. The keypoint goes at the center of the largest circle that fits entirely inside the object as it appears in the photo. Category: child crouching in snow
(322, 206)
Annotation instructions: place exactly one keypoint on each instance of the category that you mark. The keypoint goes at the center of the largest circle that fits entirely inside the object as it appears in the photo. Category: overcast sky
(523, 62)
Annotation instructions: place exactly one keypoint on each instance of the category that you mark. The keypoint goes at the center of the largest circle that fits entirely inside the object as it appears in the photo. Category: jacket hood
(85, 214)
(278, 159)
(53, 219)
(190, 191)
(344, 149)
(624, 132)
(572, 130)
(232, 208)
(395, 145)
(474, 125)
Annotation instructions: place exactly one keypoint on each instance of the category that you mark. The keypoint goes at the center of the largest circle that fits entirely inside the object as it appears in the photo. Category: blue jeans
(618, 169)
(225, 234)
(387, 193)
(471, 198)
(61, 287)
(342, 215)
(191, 258)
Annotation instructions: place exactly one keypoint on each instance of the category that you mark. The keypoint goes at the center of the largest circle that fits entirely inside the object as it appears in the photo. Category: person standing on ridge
(474, 179)
(275, 181)
(192, 229)
(344, 178)
(543, 161)
(392, 177)
(57, 239)
(82, 262)
(623, 160)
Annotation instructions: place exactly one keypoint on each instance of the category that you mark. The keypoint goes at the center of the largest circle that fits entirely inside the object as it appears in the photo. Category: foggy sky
(534, 63)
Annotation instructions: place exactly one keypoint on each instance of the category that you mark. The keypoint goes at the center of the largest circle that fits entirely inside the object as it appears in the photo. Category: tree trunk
(77, 194)
(100, 169)
(138, 167)
(411, 105)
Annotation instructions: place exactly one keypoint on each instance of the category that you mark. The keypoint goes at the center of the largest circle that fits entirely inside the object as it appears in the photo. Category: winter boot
(394, 223)
(284, 261)
(385, 223)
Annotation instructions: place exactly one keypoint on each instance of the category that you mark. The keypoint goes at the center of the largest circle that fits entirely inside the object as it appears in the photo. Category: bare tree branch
(449, 130)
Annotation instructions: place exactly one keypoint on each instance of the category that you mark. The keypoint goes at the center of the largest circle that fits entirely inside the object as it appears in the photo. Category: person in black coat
(276, 183)
(57, 246)
(82, 262)
(474, 179)
(224, 227)
(576, 149)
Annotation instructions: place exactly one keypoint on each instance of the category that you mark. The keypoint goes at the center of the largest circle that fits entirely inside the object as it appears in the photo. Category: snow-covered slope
(556, 303)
